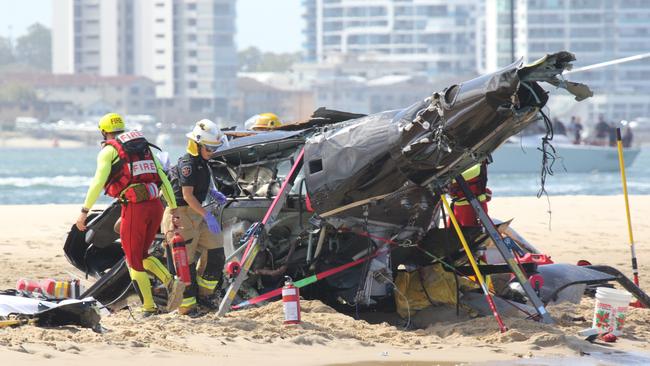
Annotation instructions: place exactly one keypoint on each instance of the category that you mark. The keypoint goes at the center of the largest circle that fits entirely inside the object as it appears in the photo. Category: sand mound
(321, 326)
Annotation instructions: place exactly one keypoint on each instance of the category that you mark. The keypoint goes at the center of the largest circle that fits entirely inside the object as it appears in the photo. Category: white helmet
(206, 132)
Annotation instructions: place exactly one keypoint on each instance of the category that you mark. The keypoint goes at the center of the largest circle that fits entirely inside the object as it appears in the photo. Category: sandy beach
(580, 227)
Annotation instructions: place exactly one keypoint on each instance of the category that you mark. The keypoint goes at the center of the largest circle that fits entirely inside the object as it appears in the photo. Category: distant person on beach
(128, 171)
(476, 178)
(558, 127)
(192, 181)
(612, 135)
(575, 129)
(628, 136)
(602, 131)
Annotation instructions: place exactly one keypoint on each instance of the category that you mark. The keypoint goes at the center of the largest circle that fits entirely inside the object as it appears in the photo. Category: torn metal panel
(428, 142)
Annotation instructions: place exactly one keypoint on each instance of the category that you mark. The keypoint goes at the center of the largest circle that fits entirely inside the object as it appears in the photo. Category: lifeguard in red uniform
(128, 171)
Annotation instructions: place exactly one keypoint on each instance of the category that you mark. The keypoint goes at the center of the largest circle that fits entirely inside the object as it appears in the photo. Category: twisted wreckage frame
(342, 200)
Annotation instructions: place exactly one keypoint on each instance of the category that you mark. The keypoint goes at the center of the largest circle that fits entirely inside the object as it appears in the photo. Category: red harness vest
(477, 184)
(135, 163)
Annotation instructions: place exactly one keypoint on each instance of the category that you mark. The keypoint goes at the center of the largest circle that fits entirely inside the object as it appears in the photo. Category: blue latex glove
(213, 225)
(218, 196)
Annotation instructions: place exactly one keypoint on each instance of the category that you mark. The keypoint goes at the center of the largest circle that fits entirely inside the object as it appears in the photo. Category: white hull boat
(523, 155)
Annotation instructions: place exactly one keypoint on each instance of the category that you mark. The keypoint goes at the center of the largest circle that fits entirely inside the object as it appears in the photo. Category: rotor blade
(609, 63)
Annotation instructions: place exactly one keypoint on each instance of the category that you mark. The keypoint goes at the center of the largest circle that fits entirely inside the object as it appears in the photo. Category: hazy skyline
(268, 25)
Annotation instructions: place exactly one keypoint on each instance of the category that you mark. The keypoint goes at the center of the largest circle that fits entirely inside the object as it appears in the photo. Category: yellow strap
(152, 265)
(66, 289)
(58, 289)
(465, 202)
(471, 173)
(210, 285)
(188, 301)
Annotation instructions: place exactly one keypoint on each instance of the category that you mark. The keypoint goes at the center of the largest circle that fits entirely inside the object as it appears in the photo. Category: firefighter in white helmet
(192, 183)
(263, 122)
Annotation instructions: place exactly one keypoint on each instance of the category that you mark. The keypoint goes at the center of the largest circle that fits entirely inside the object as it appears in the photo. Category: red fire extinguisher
(179, 252)
(291, 302)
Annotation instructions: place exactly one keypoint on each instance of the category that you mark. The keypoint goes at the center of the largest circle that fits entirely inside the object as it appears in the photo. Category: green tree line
(34, 48)
(254, 60)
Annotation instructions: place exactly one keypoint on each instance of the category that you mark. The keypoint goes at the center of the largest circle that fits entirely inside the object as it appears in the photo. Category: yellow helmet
(111, 122)
(263, 122)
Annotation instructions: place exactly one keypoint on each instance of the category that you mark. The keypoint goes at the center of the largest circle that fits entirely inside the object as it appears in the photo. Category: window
(403, 10)
(160, 5)
(160, 67)
(331, 40)
(191, 37)
(191, 6)
(191, 69)
(191, 22)
(332, 26)
(160, 52)
(160, 20)
(356, 11)
(191, 85)
(191, 53)
(160, 35)
(221, 9)
(332, 12)
(433, 10)
(376, 11)
(223, 40)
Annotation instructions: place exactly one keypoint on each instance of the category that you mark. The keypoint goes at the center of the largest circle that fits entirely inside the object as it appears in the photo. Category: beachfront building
(185, 46)
(596, 31)
(76, 97)
(447, 37)
(270, 92)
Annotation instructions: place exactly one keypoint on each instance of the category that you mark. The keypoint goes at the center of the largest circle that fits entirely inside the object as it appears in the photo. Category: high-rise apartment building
(596, 31)
(185, 46)
(464, 37)
(447, 36)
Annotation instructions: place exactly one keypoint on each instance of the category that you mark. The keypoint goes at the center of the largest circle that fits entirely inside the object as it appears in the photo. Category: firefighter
(192, 182)
(476, 178)
(128, 171)
(263, 122)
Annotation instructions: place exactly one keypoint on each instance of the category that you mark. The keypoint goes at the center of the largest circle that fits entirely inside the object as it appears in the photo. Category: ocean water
(43, 176)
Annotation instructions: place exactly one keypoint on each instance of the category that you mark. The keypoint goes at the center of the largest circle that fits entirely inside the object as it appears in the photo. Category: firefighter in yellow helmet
(128, 170)
(263, 122)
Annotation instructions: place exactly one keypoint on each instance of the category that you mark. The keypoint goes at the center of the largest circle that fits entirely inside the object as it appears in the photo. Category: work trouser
(203, 244)
(139, 223)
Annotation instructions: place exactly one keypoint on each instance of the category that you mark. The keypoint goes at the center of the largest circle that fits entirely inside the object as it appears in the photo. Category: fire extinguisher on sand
(291, 302)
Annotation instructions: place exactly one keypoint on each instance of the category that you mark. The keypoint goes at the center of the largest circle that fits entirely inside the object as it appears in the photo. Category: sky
(270, 25)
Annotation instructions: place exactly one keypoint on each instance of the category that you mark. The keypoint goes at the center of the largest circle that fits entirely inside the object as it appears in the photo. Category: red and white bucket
(610, 310)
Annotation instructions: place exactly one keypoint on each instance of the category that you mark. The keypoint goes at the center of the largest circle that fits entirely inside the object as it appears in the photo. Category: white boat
(521, 154)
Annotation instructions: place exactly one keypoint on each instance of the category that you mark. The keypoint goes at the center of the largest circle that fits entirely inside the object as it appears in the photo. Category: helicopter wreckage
(345, 201)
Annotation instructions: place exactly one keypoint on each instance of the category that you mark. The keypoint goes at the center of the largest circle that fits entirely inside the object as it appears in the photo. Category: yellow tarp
(440, 286)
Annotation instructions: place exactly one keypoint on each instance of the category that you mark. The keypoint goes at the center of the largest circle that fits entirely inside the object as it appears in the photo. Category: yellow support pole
(472, 261)
(621, 163)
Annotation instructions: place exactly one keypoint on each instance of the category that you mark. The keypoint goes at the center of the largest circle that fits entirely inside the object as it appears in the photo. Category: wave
(56, 181)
